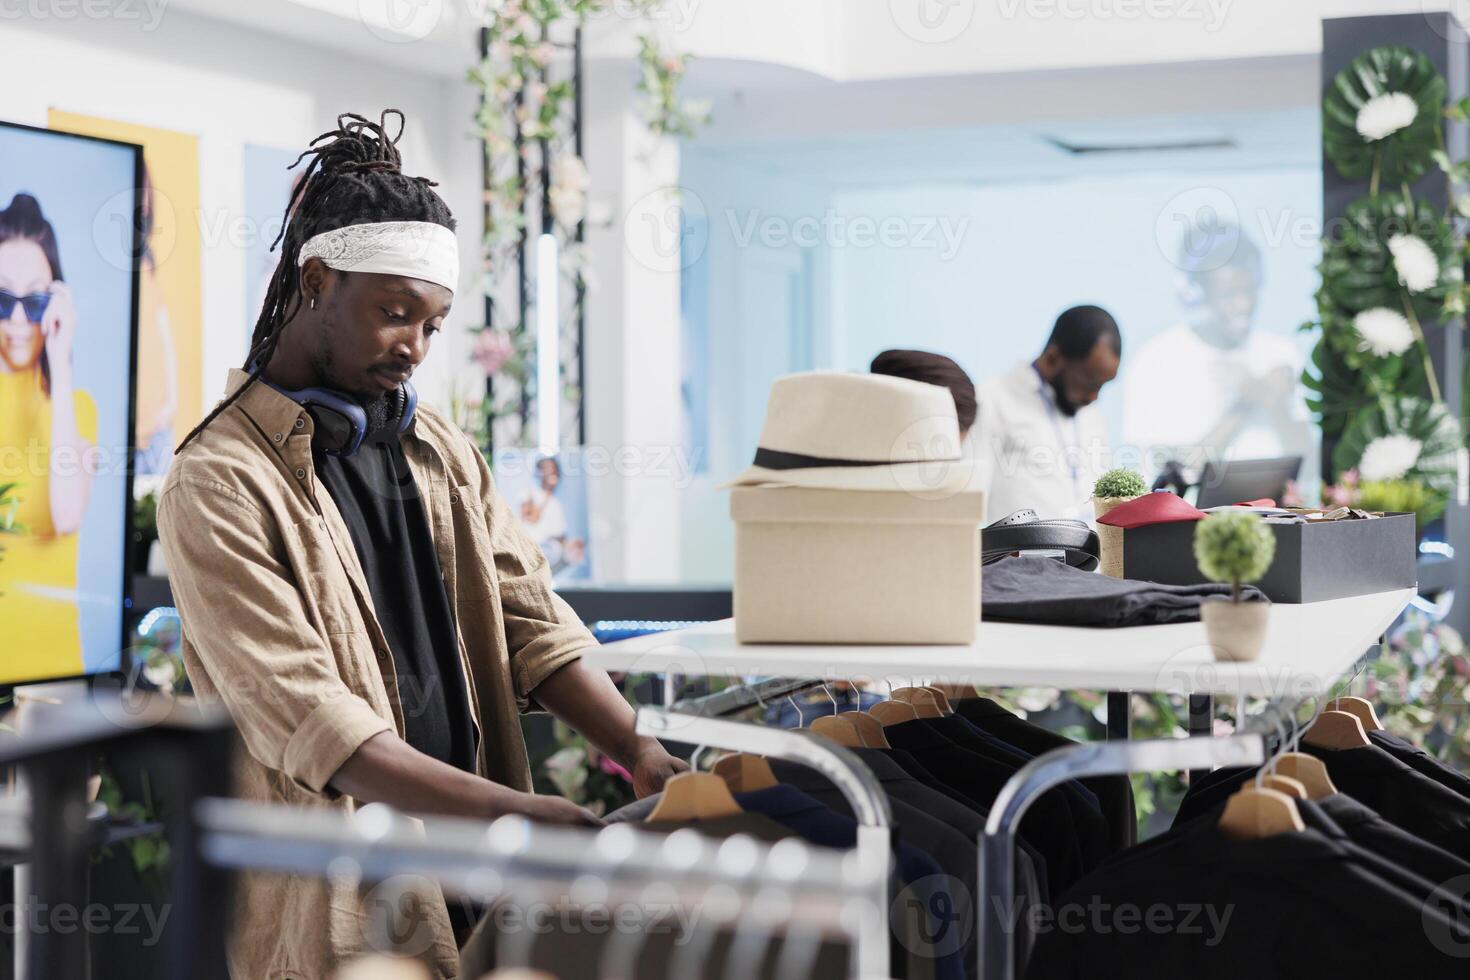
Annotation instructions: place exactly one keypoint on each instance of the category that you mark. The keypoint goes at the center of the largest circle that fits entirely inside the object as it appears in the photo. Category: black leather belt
(1024, 531)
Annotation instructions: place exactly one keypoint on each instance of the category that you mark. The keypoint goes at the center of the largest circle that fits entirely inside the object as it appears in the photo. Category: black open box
(1323, 560)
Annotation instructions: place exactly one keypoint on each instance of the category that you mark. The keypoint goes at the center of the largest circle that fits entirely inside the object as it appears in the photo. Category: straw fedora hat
(843, 431)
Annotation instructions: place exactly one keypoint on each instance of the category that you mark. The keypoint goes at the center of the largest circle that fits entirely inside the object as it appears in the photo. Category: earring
(313, 302)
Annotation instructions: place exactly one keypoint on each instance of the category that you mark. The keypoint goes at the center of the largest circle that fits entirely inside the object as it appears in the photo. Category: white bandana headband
(417, 249)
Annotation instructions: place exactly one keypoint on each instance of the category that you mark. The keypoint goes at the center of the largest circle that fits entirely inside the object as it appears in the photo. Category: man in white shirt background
(1215, 387)
(1039, 441)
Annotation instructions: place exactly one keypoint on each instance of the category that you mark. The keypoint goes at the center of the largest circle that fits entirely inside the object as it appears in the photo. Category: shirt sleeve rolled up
(247, 621)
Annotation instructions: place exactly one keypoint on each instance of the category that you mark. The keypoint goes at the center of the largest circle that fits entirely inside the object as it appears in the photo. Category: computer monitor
(69, 217)
(1239, 480)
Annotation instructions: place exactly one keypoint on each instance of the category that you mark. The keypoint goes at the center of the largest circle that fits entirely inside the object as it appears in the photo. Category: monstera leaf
(1358, 270)
(1335, 393)
(1430, 424)
(1401, 156)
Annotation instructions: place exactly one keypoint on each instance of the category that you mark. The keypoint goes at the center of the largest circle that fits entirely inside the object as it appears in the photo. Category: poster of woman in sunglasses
(66, 308)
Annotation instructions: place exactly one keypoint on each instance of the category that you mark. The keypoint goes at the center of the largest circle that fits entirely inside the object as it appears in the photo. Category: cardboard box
(1321, 560)
(855, 566)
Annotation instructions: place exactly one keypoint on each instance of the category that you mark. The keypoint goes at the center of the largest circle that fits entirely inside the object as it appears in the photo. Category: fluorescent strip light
(548, 346)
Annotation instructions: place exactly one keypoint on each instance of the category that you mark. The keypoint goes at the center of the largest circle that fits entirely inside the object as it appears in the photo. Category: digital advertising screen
(68, 312)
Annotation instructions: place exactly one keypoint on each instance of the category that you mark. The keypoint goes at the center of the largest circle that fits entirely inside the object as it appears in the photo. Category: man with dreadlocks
(351, 584)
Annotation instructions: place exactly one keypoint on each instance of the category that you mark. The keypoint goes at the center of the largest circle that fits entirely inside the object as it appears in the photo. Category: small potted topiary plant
(1111, 489)
(1234, 547)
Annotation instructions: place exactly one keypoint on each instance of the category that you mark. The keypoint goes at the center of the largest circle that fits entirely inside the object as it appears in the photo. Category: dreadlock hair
(353, 178)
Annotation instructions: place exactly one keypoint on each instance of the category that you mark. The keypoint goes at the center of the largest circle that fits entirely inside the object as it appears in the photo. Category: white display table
(1308, 647)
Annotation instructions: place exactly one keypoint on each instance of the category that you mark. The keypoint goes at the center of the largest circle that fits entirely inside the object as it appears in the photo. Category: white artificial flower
(1384, 331)
(160, 675)
(1389, 457)
(1416, 263)
(568, 192)
(1384, 115)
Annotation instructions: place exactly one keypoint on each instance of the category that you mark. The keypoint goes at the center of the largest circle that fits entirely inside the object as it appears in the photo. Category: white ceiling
(1256, 139)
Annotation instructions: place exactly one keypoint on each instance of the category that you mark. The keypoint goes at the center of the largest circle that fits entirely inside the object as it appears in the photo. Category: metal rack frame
(846, 771)
(512, 854)
(997, 845)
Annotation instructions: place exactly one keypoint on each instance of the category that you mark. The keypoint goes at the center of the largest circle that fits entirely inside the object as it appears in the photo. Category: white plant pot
(1236, 630)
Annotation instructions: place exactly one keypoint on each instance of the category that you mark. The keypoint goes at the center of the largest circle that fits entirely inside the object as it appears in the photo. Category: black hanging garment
(1408, 799)
(1420, 761)
(1283, 907)
(1114, 793)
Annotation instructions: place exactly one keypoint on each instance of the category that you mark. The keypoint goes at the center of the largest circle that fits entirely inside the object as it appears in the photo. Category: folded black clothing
(1043, 590)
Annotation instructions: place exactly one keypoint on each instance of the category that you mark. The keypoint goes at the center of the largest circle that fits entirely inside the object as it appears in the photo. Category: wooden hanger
(956, 692)
(870, 728)
(694, 796)
(1336, 730)
(927, 702)
(838, 730)
(1362, 708)
(743, 772)
(1291, 787)
(893, 712)
(1252, 813)
(1308, 770)
(940, 698)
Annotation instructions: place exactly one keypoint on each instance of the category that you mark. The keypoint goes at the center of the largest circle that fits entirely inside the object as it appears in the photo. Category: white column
(632, 352)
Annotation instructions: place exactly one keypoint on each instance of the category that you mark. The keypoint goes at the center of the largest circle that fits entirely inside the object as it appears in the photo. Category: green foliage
(1355, 394)
(149, 854)
(1400, 157)
(1421, 683)
(1233, 546)
(1119, 483)
(575, 770)
(1358, 271)
(1342, 380)
(145, 516)
(660, 74)
(1404, 497)
(1437, 431)
(8, 503)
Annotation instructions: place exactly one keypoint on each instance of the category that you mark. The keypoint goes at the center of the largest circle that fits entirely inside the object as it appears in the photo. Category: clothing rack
(845, 770)
(1045, 772)
(191, 747)
(469, 858)
(740, 697)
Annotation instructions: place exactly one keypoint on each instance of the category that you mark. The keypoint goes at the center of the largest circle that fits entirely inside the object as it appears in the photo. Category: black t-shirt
(380, 502)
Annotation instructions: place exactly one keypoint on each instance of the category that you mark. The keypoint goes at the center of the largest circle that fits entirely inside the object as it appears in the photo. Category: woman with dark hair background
(934, 369)
(46, 428)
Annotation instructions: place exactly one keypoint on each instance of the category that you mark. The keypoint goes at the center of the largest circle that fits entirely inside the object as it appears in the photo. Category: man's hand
(555, 809)
(591, 703)
(652, 767)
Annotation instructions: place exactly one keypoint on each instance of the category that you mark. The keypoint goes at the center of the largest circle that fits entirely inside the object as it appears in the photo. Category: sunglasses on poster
(34, 305)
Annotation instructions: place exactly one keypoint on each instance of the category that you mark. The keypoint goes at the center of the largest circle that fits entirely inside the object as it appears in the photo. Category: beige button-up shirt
(278, 624)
